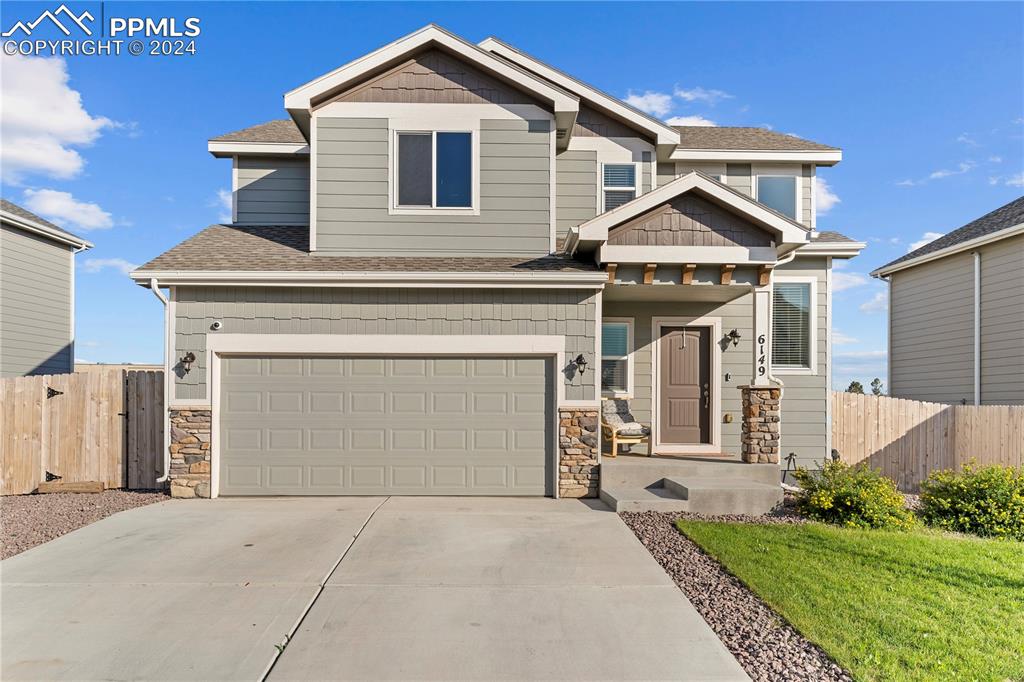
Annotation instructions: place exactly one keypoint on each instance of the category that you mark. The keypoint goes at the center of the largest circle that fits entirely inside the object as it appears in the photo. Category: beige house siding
(272, 191)
(35, 305)
(1002, 322)
(576, 188)
(563, 312)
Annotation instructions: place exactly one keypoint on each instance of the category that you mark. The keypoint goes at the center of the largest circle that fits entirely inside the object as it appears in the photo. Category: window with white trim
(616, 350)
(434, 169)
(618, 184)
(792, 325)
(778, 192)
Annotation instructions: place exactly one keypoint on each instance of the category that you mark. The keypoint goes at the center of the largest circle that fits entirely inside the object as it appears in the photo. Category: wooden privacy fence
(102, 426)
(908, 439)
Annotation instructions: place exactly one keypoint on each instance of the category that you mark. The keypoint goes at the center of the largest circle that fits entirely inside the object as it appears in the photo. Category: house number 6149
(762, 357)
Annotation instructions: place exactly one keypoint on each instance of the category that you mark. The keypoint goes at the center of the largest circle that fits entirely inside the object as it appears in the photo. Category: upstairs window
(616, 347)
(619, 184)
(778, 192)
(792, 326)
(435, 170)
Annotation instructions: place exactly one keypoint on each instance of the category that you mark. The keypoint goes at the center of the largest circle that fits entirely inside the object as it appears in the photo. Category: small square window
(435, 170)
(778, 192)
(619, 184)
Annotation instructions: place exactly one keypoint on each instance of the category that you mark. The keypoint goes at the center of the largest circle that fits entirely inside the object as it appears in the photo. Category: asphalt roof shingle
(280, 130)
(1003, 217)
(28, 215)
(828, 236)
(280, 248)
(741, 138)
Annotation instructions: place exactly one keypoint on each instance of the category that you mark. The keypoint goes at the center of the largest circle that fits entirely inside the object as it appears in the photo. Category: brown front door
(685, 394)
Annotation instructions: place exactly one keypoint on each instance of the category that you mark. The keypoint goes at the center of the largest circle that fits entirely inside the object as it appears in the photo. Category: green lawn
(886, 605)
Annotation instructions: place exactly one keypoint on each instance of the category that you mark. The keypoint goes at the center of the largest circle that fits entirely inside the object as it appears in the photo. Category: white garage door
(388, 425)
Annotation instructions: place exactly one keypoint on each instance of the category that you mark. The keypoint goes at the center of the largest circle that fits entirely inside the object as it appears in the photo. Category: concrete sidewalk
(433, 588)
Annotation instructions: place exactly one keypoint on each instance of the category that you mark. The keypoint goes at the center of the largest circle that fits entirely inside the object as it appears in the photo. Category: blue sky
(926, 100)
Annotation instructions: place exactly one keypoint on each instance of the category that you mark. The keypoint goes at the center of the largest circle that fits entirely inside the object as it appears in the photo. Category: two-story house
(449, 253)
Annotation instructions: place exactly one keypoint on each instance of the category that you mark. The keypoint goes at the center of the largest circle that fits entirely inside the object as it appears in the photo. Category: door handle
(707, 397)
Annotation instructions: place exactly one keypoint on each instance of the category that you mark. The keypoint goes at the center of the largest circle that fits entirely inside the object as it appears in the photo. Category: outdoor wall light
(734, 336)
(187, 360)
(581, 363)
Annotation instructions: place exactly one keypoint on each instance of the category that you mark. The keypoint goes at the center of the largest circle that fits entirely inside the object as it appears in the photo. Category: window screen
(415, 169)
(778, 193)
(791, 325)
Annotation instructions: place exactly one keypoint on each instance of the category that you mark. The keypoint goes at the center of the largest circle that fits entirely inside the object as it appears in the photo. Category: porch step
(642, 499)
(705, 495)
(644, 472)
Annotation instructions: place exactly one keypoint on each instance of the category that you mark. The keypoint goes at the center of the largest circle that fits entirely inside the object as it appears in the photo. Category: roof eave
(223, 149)
(998, 235)
(366, 278)
(69, 239)
(833, 249)
(817, 157)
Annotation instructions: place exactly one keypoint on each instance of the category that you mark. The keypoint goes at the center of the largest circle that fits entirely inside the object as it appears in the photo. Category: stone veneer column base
(578, 473)
(190, 453)
(761, 424)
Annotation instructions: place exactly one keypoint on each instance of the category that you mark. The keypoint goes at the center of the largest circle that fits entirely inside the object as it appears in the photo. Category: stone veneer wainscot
(578, 469)
(761, 424)
(190, 453)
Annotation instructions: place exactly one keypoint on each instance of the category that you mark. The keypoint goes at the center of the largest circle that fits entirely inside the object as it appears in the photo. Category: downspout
(167, 380)
(977, 328)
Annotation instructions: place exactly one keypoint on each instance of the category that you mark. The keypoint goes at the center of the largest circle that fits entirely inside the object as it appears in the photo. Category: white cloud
(1015, 180)
(841, 281)
(925, 238)
(42, 118)
(879, 303)
(94, 265)
(690, 121)
(825, 199)
(699, 94)
(995, 159)
(66, 211)
(223, 202)
(654, 103)
(961, 168)
(841, 339)
(967, 139)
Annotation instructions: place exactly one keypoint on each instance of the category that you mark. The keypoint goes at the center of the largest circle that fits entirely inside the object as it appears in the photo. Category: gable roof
(1000, 223)
(234, 252)
(739, 137)
(789, 231)
(663, 133)
(26, 220)
(300, 101)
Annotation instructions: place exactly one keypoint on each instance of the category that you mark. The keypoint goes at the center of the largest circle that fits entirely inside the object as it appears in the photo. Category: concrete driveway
(367, 588)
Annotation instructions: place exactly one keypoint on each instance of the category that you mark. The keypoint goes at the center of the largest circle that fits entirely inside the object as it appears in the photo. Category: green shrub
(856, 497)
(987, 501)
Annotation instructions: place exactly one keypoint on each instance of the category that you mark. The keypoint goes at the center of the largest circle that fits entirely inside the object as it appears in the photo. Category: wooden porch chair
(619, 426)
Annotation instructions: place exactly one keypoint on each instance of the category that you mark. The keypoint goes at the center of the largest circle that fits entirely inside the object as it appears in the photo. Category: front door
(685, 385)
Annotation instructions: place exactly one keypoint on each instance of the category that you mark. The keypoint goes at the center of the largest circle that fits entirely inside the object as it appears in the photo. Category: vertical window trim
(394, 208)
(637, 179)
(812, 370)
(629, 357)
(797, 208)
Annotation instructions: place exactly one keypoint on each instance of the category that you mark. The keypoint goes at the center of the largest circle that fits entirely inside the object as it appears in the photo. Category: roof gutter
(155, 288)
(361, 278)
(69, 239)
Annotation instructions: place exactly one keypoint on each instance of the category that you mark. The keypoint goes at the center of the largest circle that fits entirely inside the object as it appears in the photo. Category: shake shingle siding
(563, 312)
(273, 191)
(352, 214)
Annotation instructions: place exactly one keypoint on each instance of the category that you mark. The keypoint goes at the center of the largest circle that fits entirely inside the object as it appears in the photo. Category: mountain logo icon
(54, 17)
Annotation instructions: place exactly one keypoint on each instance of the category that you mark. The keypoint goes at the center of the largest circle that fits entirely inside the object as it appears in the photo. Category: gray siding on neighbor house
(931, 328)
(563, 312)
(272, 190)
(35, 305)
(805, 398)
(576, 188)
(1002, 322)
(352, 194)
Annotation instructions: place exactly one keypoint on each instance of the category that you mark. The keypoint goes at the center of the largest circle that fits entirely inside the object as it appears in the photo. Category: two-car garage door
(385, 425)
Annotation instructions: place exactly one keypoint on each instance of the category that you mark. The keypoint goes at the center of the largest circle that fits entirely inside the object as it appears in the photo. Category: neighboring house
(956, 314)
(450, 253)
(37, 294)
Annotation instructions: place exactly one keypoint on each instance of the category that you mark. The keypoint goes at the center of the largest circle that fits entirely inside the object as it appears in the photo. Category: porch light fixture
(187, 360)
(734, 336)
(581, 363)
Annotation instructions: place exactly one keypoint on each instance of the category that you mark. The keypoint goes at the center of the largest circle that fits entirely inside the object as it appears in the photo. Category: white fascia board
(833, 249)
(301, 98)
(227, 149)
(820, 158)
(596, 229)
(950, 250)
(376, 279)
(701, 255)
(32, 226)
(663, 134)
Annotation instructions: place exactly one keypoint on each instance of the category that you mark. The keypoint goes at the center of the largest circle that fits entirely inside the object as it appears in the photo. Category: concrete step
(642, 499)
(706, 495)
(643, 472)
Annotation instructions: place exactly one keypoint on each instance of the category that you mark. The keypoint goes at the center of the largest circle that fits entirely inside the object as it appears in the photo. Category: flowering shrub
(856, 497)
(987, 501)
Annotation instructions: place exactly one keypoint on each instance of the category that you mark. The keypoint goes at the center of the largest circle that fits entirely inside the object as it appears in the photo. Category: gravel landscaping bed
(766, 647)
(30, 520)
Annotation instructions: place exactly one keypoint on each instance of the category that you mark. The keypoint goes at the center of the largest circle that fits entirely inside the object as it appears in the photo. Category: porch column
(761, 416)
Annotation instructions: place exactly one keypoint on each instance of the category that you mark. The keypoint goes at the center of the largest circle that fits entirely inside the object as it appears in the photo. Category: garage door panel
(316, 426)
